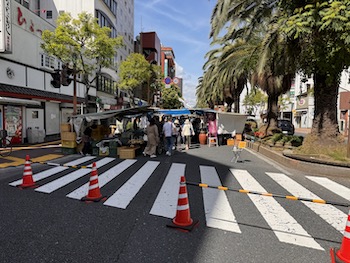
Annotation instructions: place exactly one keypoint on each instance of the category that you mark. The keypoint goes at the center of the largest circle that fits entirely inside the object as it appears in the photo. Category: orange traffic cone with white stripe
(94, 194)
(27, 179)
(343, 254)
(183, 218)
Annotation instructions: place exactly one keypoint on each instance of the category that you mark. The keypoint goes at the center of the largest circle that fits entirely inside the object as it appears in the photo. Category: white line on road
(71, 177)
(53, 171)
(128, 191)
(103, 179)
(218, 212)
(329, 213)
(285, 227)
(336, 188)
(166, 202)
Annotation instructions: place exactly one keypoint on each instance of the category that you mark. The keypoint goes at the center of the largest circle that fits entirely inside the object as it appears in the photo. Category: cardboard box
(239, 137)
(127, 153)
(69, 144)
(65, 127)
(68, 136)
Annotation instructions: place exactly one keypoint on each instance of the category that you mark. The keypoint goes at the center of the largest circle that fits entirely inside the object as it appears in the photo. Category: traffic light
(65, 76)
(56, 79)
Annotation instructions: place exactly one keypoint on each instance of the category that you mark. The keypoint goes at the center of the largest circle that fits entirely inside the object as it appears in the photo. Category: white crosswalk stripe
(53, 171)
(218, 212)
(217, 208)
(62, 181)
(330, 214)
(285, 227)
(122, 197)
(166, 201)
(336, 188)
(103, 179)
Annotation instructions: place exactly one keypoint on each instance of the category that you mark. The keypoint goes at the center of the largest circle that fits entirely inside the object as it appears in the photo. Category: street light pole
(74, 91)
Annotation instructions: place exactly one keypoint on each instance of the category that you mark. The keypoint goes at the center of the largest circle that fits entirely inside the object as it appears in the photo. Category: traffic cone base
(186, 228)
(183, 219)
(335, 258)
(343, 253)
(94, 194)
(27, 179)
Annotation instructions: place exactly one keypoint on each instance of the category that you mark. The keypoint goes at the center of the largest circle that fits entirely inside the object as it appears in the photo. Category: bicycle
(5, 144)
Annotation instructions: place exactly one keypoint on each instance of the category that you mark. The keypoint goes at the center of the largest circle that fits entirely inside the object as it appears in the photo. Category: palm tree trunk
(325, 124)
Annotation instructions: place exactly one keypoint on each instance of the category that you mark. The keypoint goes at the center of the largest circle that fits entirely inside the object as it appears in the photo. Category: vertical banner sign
(5, 26)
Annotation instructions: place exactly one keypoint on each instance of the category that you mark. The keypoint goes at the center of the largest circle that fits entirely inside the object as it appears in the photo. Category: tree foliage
(82, 44)
(170, 97)
(255, 101)
(133, 72)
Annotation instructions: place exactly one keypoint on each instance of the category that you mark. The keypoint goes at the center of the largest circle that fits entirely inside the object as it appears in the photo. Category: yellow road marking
(15, 161)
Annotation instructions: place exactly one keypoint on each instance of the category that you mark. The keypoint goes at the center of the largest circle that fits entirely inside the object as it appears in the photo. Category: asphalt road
(44, 225)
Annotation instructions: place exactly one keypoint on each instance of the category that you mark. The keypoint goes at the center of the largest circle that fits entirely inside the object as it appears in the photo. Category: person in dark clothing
(87, 148)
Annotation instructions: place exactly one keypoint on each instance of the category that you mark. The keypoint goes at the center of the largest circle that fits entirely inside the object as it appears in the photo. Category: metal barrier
(289, 197)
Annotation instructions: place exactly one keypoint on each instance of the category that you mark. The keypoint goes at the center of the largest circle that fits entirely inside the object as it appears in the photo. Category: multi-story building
(27, 98)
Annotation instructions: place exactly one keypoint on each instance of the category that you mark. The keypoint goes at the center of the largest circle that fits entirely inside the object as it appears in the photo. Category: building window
(106, 84)
(49, 14)
(112, 5)
(104, 21)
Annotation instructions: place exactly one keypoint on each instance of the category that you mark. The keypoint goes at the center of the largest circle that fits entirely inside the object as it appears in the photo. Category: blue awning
(174, 112)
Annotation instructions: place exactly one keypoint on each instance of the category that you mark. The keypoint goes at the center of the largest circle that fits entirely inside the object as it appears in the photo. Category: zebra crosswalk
(218, 211)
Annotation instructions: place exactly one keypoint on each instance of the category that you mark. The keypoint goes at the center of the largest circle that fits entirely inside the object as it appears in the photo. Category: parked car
(286, 126)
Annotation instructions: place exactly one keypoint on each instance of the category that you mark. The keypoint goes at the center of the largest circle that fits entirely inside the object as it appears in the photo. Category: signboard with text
(5, 26)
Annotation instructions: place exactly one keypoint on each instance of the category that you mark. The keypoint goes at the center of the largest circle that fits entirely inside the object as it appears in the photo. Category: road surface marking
(336, 188)
(166, 202)
(128, 191)
(329, 213)
(218, 212)
(103, 179)
(284, 226)
(62, 181)
(53, 171)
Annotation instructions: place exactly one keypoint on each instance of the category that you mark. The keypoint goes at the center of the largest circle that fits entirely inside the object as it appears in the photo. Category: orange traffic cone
(94, 194)
(343, 254)
(183, 218)
(27, 179)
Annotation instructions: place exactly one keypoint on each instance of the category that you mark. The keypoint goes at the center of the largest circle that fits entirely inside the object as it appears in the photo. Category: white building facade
(28, 101)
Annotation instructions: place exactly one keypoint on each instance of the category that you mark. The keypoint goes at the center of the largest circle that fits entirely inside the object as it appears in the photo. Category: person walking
(187, 132)
(168, 130)
(177, 135)
(153, 139)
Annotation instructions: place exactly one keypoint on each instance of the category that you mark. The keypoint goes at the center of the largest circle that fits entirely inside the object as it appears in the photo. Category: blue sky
(183, 25)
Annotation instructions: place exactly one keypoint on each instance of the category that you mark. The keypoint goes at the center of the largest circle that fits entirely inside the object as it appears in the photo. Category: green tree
(255, 101)
(133, 72)
(170, 98)
(82, 45)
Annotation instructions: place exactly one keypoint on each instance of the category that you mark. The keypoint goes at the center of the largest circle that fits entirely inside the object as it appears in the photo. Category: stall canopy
(114, 113)
(174, 112)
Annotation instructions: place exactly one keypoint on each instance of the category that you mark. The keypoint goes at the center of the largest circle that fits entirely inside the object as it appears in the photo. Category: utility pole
(74, 91)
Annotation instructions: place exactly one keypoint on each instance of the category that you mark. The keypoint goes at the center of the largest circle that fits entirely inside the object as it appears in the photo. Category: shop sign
(5, 26)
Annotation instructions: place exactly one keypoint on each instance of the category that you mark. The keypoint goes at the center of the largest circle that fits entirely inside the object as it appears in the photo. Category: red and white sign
(176, 80)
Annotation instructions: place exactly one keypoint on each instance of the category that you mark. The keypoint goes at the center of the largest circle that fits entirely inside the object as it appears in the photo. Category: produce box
(68, 136)
(239, 137)
(65, 127)
(69, 144)
(127, 153)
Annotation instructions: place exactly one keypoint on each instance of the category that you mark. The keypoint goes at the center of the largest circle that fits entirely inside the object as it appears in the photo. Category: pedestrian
(152, 139)
(187, 132)
(177, 135)
(168, 130)
(87, 148)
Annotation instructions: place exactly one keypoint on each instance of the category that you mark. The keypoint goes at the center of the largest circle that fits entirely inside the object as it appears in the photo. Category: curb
(309, 166)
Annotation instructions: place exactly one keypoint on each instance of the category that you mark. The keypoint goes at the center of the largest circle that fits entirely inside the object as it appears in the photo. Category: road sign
(176, 80)
(167, 80)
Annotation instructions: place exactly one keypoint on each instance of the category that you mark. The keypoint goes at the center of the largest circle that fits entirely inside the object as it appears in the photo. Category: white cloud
(189, 84)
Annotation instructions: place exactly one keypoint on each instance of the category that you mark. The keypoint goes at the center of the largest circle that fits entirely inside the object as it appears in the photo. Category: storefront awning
(15, 101)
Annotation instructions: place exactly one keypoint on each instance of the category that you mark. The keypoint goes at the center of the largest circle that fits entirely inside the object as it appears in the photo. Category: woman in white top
(187, 132)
